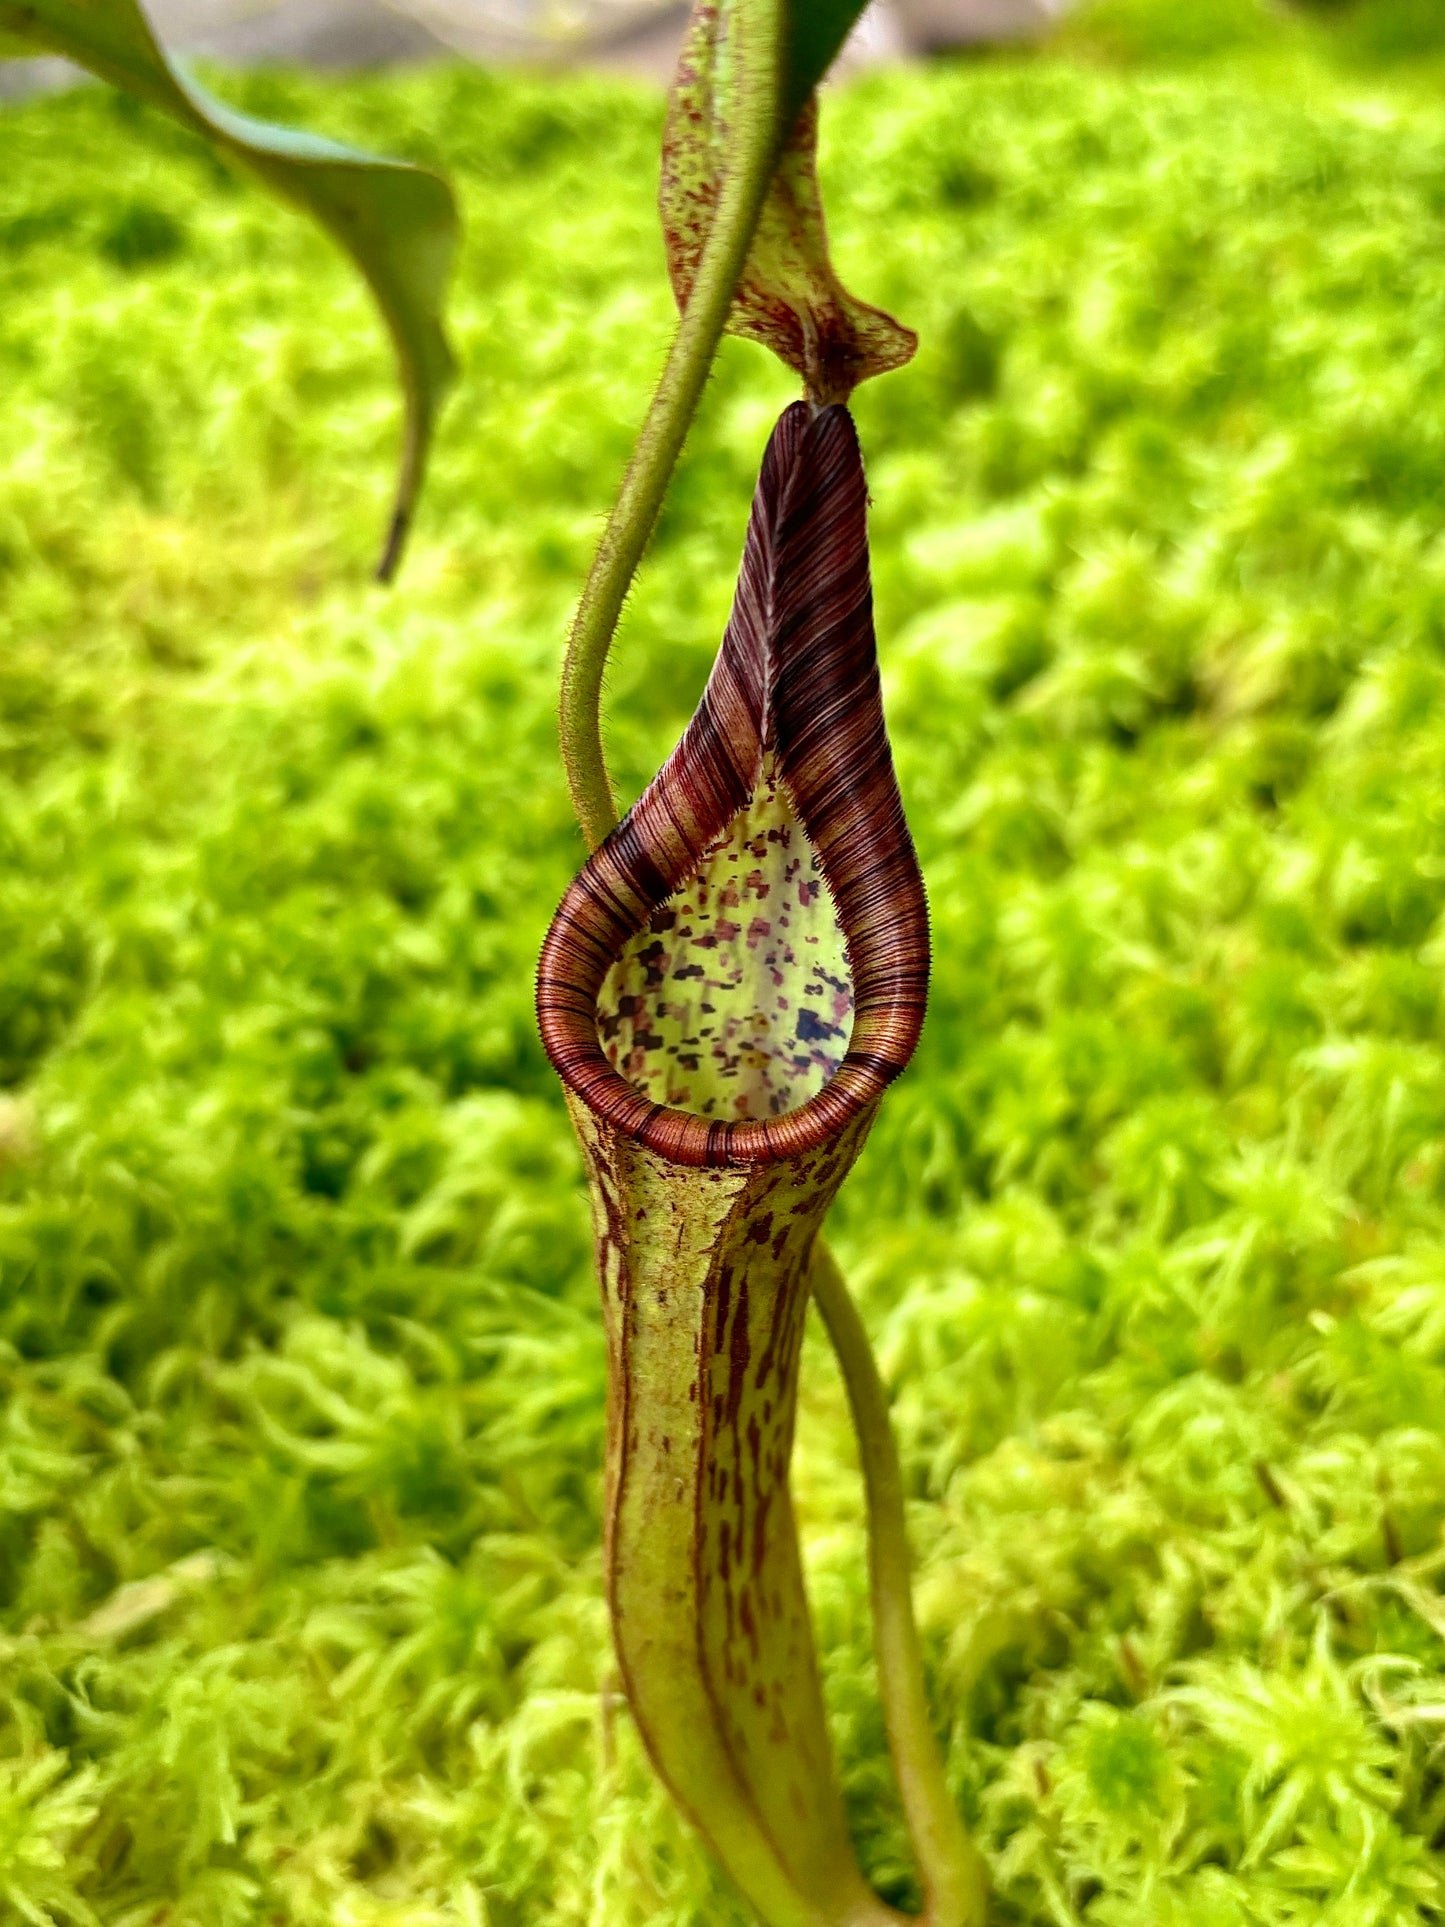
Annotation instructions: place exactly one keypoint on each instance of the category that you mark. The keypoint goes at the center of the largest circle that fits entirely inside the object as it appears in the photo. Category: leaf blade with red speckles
(789, 298)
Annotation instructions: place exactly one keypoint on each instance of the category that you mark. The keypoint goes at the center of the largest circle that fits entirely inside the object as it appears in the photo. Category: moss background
(300, 1372)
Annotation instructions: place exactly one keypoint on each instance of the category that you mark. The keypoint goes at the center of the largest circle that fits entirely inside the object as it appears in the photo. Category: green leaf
(398, 222)
(816, 32)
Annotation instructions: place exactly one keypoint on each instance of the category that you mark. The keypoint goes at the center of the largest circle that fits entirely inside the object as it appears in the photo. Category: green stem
(955, 1882)
(756, 30)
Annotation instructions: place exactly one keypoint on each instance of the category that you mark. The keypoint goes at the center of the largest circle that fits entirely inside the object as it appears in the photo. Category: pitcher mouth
(795, 686)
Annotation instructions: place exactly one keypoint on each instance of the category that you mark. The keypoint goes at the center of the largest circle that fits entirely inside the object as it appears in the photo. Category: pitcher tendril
(757, 33)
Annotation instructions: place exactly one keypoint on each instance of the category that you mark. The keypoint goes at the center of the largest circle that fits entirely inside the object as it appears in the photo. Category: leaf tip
(395, 545)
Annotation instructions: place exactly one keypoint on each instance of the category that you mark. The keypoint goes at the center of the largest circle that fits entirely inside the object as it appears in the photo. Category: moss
(300, 1370)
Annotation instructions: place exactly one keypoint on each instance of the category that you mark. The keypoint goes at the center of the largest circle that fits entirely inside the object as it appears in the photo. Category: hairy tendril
(755, 143)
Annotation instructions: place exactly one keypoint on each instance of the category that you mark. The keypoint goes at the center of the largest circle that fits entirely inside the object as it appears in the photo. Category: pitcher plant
(731, 982)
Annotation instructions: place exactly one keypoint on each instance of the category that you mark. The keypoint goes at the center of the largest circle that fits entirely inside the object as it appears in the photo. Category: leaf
(816, 32)
(789, 297)
(398, 222)
(726, 990)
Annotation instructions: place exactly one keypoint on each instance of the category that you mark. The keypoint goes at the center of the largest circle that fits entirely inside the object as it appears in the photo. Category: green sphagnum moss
(300, 1368)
